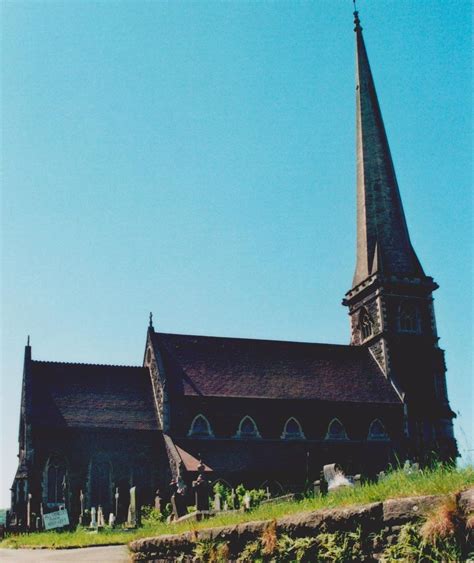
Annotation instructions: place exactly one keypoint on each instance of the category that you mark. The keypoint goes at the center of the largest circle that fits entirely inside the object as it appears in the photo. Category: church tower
(390, 303)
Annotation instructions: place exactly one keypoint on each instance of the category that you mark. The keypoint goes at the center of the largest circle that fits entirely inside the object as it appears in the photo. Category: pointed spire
(383, 242)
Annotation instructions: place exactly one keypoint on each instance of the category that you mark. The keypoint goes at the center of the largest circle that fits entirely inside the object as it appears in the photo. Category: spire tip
(150, 325)
(356, 18)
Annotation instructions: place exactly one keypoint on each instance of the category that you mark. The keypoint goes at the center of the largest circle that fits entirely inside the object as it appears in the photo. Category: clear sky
(196, 159)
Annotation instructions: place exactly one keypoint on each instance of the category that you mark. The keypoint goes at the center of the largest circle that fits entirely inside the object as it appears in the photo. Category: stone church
(258, 412)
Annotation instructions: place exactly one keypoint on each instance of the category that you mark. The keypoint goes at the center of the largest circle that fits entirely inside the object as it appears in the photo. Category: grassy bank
(397, 484)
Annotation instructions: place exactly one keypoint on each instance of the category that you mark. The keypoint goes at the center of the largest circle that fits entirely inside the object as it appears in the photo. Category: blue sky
(196, 159)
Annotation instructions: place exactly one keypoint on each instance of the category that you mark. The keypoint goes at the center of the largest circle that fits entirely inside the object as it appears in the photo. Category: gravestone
(246, 501)
(134, 513)
(111, 520)
(93, 523)
(117, 497)
(217, 502)
(233, 500)
(201, 492)
(81, 502)
(100, 517)
(28, 512)
(178, 502)
(158, 501)
(335, 477)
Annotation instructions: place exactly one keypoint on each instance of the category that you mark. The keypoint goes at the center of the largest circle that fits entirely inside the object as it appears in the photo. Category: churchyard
(218, 506)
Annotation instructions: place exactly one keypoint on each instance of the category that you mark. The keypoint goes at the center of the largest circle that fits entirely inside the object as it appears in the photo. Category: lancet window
(292, 430)
(377, 431)
(55, 480)
(200, 427)
(336, 430)
(248, 428)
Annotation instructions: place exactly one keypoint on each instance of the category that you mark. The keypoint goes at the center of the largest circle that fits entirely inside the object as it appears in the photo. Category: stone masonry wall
(382, 518)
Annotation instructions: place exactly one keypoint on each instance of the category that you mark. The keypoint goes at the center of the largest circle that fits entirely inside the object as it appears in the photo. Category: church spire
(383, 242)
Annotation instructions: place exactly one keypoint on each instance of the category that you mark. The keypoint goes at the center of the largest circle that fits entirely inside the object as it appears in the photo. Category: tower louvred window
(408, 317)
(366, 324)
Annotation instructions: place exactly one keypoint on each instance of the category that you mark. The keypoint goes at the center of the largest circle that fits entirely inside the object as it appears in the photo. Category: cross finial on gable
(151, 321)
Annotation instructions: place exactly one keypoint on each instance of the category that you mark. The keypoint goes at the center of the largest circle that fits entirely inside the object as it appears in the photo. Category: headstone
(134, 511)
(201, 492)
(267, 493)
(335, 477)
(28, 511)
(111, 520)
(357, 480)
(81, 515)
(246, 501)
(217, 502)
(233, 503)
(226, 506)
(93, 523)
(117, 496)
(178, 502)
(381, 476)
(38, 524)
(317, 488)
(100, 517)
(158, 501)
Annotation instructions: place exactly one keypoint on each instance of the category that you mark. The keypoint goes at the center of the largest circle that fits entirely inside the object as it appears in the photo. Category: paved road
(112, 554)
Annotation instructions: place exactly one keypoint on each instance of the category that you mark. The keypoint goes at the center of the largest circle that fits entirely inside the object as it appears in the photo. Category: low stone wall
(380, 517)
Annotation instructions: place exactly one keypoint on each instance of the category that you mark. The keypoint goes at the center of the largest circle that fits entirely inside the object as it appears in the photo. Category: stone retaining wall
(380, 517)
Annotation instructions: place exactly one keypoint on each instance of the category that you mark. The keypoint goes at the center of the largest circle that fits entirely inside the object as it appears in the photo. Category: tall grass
(436, 481)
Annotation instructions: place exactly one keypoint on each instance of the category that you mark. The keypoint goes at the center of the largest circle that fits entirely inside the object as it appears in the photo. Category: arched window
(200, 427)
(292, 430)
(377, 431)
(366, 324)
(247, 428)
(336, 430)
(101, 486)
(55, 480)
(408, 317)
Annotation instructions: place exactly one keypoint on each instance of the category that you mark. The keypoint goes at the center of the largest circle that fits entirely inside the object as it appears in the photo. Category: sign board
(3, 516)
(56, 519)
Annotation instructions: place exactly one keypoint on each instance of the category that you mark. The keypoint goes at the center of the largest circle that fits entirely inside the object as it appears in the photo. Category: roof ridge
(246, 339)
(86, 364)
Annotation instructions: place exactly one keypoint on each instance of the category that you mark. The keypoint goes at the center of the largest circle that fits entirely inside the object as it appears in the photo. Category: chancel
(264, 413)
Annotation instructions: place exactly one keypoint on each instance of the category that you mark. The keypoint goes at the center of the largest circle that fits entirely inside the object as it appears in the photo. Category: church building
(258, 412)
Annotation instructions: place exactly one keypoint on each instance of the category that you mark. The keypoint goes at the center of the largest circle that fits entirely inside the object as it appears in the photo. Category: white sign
(3, 517)
(56, 519)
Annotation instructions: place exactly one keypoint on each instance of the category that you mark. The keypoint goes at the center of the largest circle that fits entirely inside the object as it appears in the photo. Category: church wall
(124, 458)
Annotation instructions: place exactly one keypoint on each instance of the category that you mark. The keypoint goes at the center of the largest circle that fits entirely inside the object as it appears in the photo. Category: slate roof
(268, 369)
(93, 396)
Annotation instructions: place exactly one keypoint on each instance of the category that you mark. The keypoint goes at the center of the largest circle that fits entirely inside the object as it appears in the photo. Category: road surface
(109, 554)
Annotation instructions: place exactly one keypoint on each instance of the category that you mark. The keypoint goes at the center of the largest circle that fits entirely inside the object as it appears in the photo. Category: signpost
(57, 519)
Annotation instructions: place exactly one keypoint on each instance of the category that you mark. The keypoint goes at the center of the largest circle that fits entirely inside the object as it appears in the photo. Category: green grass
(440, 480)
